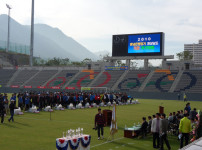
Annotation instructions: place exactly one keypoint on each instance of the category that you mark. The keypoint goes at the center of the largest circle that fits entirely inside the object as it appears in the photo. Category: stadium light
(8, 36)
(32, 36)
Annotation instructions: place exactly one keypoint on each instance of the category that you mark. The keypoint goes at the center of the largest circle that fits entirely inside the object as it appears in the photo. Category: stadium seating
(5, 76)
(83, 79)
(23, 76)
(191, 81)
(133, 80)
(62, 78)
(41, 78)
(108, 78)
(160, 82)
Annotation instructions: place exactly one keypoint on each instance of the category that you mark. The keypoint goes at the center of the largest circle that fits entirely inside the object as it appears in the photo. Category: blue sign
(144, 43)
(116, 67)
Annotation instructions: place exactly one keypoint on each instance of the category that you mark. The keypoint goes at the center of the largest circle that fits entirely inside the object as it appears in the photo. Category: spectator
(181, 114)
(2, 109)
(12, 107)
(5, 99)
(174, 118)
(163, 132)
(184, 129)
(178, 96)
(185, 97)
(99, 123)
(149, 124)
(193, 114)
(187, 108)
(143, 128)
(170, 118)
(155, 129)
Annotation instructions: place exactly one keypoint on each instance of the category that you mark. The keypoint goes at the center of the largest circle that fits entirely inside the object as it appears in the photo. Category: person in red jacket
(99, 123)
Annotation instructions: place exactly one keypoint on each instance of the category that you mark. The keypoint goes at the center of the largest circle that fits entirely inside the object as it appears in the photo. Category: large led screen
(146, 44)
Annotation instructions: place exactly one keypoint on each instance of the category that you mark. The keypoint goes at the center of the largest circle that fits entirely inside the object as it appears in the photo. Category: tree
(53, 62)
(118, 62)
(86, 61)
(185, 55)
(102, 56)
(64, 61)
(133, 64)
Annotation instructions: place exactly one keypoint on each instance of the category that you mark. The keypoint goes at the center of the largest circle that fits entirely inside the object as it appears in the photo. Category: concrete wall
(166, 96)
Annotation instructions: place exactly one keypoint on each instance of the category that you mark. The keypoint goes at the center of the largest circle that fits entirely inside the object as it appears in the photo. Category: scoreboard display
(145, 44)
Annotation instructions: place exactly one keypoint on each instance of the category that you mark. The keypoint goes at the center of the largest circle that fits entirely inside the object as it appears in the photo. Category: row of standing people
(43, 99)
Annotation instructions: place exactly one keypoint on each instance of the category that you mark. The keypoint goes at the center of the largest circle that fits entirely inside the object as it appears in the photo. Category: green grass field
(38, 132)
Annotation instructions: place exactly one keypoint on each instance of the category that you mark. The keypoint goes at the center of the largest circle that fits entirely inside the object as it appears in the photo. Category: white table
(74, 143)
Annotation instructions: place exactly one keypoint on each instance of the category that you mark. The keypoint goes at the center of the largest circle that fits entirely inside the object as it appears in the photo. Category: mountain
(49, 42)
(58, 36)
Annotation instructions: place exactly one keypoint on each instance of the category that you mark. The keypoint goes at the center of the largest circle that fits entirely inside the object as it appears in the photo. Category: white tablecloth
(76, 143)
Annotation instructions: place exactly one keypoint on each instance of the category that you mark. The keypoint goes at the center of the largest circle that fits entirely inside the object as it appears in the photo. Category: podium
(161, 109)
(108, 116)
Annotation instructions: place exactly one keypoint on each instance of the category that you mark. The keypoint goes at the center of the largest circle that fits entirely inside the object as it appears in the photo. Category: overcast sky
(93, 22)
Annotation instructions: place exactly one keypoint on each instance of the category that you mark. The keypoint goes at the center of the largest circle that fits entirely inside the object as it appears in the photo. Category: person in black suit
(12, 107)
(2, 110)
(144, 126)
(163, 132)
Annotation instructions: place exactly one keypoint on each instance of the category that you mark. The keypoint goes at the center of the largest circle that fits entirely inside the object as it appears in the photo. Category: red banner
(70, 88)
(15, 86)
(41, 87)
(27, 86)
(55, 87)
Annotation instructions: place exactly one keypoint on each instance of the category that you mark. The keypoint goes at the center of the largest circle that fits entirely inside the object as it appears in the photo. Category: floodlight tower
(32, 36)
(8, 36)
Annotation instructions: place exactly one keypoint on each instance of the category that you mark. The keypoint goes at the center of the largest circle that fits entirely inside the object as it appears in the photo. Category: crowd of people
(42, 99)
(182, 123)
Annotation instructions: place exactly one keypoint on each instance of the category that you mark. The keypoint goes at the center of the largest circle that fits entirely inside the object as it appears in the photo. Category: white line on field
(54, 120)
(107, 142)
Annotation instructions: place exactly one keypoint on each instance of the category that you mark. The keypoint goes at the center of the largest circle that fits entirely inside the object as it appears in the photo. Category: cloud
(93, 22)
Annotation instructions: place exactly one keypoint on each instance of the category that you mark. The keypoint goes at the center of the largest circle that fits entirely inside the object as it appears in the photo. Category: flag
(113, 128)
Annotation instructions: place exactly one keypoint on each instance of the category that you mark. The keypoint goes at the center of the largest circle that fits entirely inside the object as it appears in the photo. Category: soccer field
(38, 132)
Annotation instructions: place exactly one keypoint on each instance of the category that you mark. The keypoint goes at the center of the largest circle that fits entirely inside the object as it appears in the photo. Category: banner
(86, 88)
(27, 86)
(15, 86)
(41, 87)
(116, 67)
(113, 128)
(55, 87)
(70, 88)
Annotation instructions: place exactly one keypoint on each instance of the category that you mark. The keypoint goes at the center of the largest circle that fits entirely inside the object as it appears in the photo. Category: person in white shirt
(155, 129)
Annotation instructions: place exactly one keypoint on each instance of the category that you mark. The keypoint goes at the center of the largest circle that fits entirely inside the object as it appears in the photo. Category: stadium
(99, 84)
(66, 107)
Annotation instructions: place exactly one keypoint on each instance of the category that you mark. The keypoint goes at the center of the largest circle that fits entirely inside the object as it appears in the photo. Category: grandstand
(150, 81)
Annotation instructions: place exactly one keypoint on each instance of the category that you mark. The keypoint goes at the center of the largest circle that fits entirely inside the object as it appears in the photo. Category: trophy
(76, 133)
(73, 133)
(69, 134)
(81, 131)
